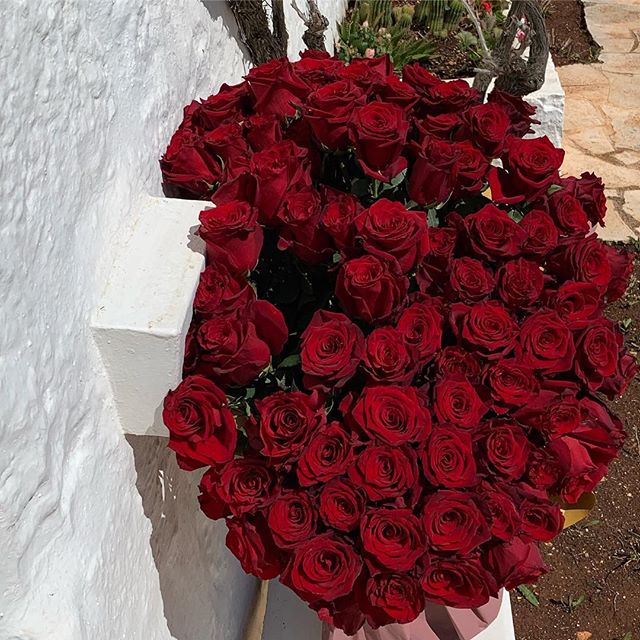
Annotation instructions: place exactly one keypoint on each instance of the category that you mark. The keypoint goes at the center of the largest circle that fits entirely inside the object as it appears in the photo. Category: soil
(594, 582)
(570, 41)
(450, 60)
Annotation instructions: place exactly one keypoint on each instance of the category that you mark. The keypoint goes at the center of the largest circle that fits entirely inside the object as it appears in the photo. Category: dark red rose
(341, 505)
(626, 371)
(245, 485)
(541, 233)
(488, 124)
(442, 242)
(379, 131)
(393, 598)
(417, 77)
(202, 429)
(383, 471)
(577, 303)
(453, 522)
(597, 353)
(456, 401)
(516, 562)
(578, 472)
(448, 459)
(504, 519)
(324, 568)
(328, 454)
(507, 449)
(542, 519)
(545, 343)
(263, 131)
(551, 413)
(292, 519)
(211, 502)
(520, 283)
(270, 325)
(493, 234)
(392, 538)
(398, 92)
(433, 175)
(421, 327)
(330, 111)
(585, 260)
(444, 126)
(449, 97)
(317, 68)
(228, 145)
(338, 220)
(511, 384)
(220, 292)
(391, 414)
(519, 111)
(621, 264)
(225, 106)
(589, 190)
(231, 350)
(544, 469)
(471, 168)
(458, 362)
(486, 327)
(369, 73)
(232, 235)
(469, 280)
(191, 351)
(331, 349)
(370, 289)
(288, 420)
(460, 582)
(569, 214)
(252, 544)
(387, 358)
(388, 229)
(530, 168)
(276, 88)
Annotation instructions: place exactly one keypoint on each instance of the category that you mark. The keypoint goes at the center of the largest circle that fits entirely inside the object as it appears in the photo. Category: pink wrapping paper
(435, 623)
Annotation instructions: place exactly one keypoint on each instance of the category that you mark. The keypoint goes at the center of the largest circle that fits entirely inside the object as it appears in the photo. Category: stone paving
(602, 113)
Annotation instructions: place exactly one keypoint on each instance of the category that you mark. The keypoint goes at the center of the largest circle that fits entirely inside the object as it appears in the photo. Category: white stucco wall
(100, 535)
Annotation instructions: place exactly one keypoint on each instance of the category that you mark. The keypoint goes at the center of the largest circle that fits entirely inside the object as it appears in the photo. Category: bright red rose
(516, 562)
(488, 124)
(276, 88)
(324, 568)
(541, 233)
(384, 472)
(202, 429)
(393, 598)
(220, 292)
(392, 538)
(292, 519)
(520, 283)
(493, 234)
(341, 505)
(469, 280)
(507, 449)
(421, 327)
(545, 343)
(389, 230)
(394, 415)
(246, 484)
(328, 454)
(288, 420)
(456, 401)
(453, 522)
(370, 289)
(448, 459)
(387, 358)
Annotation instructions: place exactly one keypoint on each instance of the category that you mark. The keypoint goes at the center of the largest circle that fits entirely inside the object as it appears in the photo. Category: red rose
(457, 401)
(252, 544)
(331, 349)
(388, 229)
(398, 92)
(394, 415)
(445, 126)
(202, 429)
(369, 288)
(546, 343)
(317, 68)
(457, 362)
(471, 167)
(276, 88)
(387, 358)
(338, 220)
(520, 283)
(589, 190)
(288, 420)
(597, 353)
(460, 582)
(393, 598)
(433, 175)
(220, 292)
(578, 472)
(392, 538)
(383, 471)
(292, 519)
(569, 214)
(417, 77)
(421, 327)
(262, 131)
(504, 520)
(542, 519)
(191, 351)
(626, 370)
(211, 502)
(516, 562)
(328, 454)
(541, 233)
(453, 522)
(448, 459)
(232, 235)
(379, 131)
(227, 105)
(270, 325)
(227, 144)
(511, 384)
(544, 469)
(621, 265)
(550, 413)
(486, 327)
(507, 449)
(585, 260)
(519, 111)
(324, 568)
(576, 303)
(493, 234)
(245, 485)
(448, 97)
(341, 505)
(470, 280)
(488, 124)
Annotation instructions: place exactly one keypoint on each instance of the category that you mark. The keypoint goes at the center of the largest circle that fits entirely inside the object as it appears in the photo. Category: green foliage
(528, 595)
(439, 17)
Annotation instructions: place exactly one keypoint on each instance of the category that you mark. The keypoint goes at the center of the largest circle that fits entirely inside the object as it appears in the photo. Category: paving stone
(632, 204)
(628, 157)
(580, 113)
(581, 75)
(594, 139)
(615, 228)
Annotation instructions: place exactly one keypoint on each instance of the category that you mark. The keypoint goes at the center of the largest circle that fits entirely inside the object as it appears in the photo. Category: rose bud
(448, 459)
(328, 454)
(387, 358)
(202, 429)
(370, 289)
(292, 519)
(456, 401)
(341, 505)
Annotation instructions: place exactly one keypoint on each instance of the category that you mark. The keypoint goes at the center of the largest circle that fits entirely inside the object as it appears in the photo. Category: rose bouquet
(398, 350)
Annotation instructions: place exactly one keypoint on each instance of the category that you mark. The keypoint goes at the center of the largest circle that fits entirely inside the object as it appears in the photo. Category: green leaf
(249, 393)
(395, 181)
(290, 361)
(628, 636)
(432, 218)
(336, 258)
(516, 216)
(528, 595)
(553, 189)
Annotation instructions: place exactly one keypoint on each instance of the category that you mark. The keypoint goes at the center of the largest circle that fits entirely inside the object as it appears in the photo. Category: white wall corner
(145, 310)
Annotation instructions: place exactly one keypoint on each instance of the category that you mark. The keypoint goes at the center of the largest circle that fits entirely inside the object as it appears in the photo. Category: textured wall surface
(100, 535)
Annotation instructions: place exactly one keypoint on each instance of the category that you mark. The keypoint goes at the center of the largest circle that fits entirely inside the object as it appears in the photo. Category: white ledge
(145, 310)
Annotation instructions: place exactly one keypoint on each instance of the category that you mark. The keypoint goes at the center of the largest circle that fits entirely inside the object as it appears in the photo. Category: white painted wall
(100, 536)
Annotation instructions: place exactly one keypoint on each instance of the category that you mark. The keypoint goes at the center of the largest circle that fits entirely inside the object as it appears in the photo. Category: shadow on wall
(206, 594)
(220, 9)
